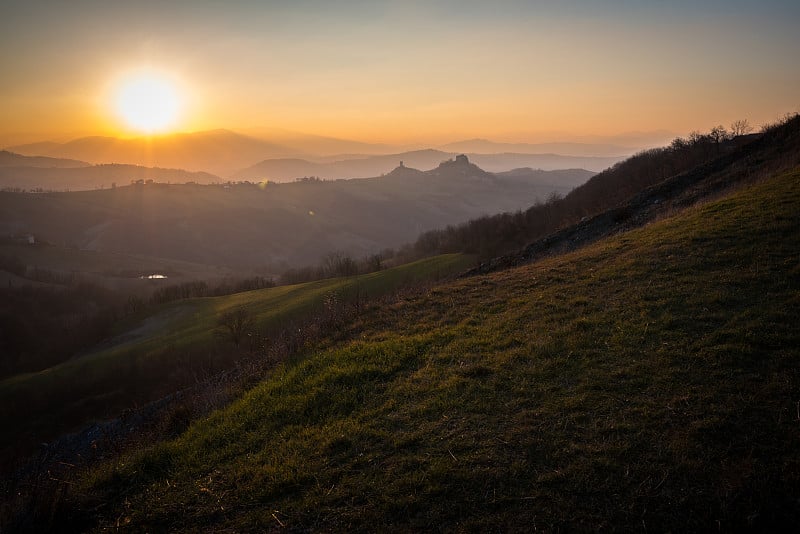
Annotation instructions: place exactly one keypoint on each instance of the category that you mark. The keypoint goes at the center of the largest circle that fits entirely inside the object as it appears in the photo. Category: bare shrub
(235, 325)
(740, 127)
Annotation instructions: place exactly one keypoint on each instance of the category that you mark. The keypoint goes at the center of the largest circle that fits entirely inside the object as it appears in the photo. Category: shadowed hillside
(644, 372)
(646, 381)
(642, 188)
(157, 350)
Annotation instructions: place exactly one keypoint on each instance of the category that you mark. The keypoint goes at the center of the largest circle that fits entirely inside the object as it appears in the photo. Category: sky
(402, 71)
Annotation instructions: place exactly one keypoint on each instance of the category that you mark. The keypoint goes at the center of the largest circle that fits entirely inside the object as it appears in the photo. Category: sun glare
(148, 103)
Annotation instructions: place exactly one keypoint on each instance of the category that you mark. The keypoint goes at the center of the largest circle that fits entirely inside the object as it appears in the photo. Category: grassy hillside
(649, 381)
(157, 353)
(633, 192)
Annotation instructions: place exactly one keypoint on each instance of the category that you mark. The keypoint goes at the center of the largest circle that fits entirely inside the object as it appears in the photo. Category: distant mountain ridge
(94, 177)
(21, 172)
(12, 159)
(293, 224)
(285, 156)
(284, 170)
(37, 173)
(214, 151)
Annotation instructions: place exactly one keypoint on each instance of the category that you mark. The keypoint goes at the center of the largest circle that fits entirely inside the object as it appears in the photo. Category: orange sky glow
(402, 72)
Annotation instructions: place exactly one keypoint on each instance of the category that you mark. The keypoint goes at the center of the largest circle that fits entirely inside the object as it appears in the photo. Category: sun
(148, 102)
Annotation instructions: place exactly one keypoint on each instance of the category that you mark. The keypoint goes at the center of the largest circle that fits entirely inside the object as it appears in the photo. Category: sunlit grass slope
(650, 381)
(152, 351)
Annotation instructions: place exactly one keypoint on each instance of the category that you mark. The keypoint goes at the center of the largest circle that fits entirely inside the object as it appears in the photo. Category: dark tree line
(198, 288)
(491, 236)
(41, 327)
(336, 264)
(44, 326)
(16, 266)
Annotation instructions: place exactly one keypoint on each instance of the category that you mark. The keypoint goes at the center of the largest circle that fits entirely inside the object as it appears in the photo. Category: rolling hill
(646, 381)
(10, 159)
(642, 188)
(213, 151)
(284, 156)
(285, 170)
(250, 225)
(363, 166)
(640, 373)
(157, 352)
(18, 172)
(86, 177)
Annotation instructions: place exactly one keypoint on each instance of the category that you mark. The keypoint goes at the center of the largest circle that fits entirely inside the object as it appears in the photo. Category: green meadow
(170, 346)
(647, 382)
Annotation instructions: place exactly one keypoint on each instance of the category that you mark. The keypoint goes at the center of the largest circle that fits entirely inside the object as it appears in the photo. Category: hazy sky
(399, 71)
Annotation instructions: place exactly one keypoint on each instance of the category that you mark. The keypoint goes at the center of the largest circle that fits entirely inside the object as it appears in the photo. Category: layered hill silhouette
(11, 159)
(214, 151)
(72, 175)
(37, 173)
(275, 224)
(284, 156)
(287, 169)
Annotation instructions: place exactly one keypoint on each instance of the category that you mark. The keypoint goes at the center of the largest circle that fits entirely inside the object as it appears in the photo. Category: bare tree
(740, 127)
(373, 263)
(696, 138)
(339, 264)
(718, 134)
(235, 324)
